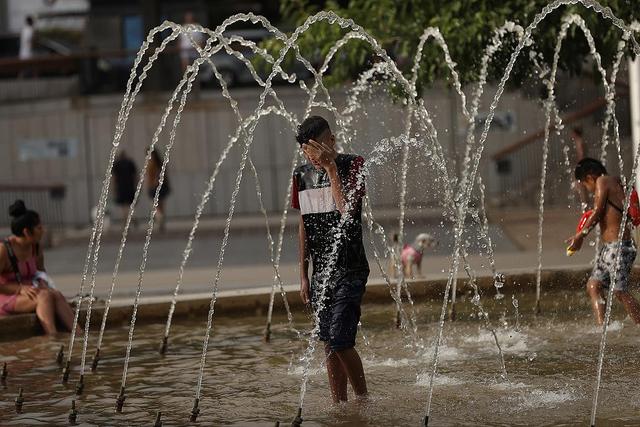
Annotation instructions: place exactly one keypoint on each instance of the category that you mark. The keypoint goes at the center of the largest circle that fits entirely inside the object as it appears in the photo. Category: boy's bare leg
(337, 376)
(630, 305)
(353, 367)
(594, 289)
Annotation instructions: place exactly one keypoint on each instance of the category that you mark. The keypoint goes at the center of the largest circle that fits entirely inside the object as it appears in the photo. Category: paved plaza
(247, 265)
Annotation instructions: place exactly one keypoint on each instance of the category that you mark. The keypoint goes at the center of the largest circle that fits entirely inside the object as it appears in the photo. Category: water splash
(472, 166)
(457, 206)
(96, 233)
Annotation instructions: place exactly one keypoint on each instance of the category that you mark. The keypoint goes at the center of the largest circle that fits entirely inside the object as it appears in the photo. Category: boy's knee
(593, 287)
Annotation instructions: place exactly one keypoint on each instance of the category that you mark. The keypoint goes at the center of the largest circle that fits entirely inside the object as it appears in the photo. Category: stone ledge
(255, 301)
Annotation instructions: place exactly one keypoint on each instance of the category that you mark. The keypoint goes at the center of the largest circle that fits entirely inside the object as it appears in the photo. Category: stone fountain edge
(254, 301)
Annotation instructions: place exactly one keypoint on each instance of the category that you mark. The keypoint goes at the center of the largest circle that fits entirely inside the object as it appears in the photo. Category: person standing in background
(124, 181)
(187, 50)
(26, 39)
(26, 42)
(153, 181)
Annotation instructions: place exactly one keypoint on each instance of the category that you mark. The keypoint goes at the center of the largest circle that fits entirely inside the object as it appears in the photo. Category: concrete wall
(207, 123)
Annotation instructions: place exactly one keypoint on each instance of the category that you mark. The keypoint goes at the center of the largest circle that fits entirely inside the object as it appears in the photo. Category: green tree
(466, 25)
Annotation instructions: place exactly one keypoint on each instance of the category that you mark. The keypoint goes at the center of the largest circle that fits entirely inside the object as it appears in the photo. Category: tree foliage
(466, 25)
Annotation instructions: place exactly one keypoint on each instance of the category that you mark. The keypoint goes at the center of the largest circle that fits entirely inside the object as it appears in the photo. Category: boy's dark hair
(589, 166)
(311, 128)
(22, 218)
(29, 20)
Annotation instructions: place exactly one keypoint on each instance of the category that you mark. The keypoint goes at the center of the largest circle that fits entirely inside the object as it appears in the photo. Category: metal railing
(519, 165)
(94, 71)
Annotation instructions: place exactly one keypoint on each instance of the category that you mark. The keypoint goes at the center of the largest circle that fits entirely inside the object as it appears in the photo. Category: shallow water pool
(550, 359)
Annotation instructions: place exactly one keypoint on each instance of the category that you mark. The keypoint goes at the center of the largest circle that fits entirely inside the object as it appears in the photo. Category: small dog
(411, 255)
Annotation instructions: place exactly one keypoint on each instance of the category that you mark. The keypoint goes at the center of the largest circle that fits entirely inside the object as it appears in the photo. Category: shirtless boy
(608, 203)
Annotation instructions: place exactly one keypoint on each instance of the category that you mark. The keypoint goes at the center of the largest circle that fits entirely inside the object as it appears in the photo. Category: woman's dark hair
(22, 218)
(589, 166)
(311, 128)
(157, 157)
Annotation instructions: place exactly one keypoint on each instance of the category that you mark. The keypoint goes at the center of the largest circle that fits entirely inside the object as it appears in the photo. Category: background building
(56, 126)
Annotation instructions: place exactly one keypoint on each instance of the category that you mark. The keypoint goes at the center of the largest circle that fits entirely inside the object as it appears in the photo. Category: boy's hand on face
(320, 154)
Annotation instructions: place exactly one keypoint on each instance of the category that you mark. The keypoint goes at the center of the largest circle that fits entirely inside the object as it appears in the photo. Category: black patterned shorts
(340, 313)
(605, 266)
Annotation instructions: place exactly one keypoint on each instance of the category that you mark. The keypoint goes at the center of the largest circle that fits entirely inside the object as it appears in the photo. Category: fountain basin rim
(254, 301)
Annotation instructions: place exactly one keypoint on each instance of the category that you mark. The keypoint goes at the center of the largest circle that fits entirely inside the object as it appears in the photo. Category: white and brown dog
(411, 255)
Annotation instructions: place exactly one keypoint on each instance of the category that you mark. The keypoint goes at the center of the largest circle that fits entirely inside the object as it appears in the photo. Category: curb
(255, 301)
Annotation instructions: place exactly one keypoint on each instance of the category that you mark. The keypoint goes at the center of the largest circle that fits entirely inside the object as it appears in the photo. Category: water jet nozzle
(80, 385)
(538, 308)
(3, 375)
(96, 359)
(425, 422)
(65, 373)
(60, 355)
(277, 424)
(398, 320)
(297, 421)
(73, 414)
(267, 333)
(195, 411)
(120, 400)
(158, 422)
(163, 346)
(19, 401)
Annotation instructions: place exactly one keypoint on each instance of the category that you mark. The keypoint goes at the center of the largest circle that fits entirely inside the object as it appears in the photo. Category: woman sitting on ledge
(23, 285)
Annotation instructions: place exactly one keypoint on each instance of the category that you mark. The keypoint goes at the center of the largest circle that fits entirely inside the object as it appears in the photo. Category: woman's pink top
(28, 269)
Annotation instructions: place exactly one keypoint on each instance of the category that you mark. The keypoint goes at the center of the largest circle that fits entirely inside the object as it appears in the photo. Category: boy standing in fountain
(607, 212)
(328, 190)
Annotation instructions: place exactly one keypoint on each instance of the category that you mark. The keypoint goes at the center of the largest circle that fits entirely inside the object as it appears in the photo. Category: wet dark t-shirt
(321, 219)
